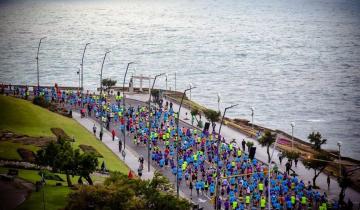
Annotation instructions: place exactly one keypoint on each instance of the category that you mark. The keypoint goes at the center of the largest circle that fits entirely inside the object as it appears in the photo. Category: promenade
(133, 152)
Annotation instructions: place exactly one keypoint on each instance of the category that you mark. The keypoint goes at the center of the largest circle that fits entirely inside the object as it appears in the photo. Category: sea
(292, 60)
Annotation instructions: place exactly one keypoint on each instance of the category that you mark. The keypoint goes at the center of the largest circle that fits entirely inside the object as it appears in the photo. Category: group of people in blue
(195, 156)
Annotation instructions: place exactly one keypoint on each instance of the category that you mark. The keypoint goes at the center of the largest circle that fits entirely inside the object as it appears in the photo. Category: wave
(315, 120)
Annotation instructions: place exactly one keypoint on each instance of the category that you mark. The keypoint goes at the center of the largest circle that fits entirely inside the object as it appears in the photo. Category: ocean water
(296, 60)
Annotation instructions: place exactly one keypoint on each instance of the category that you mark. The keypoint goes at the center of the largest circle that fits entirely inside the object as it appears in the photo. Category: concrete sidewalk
(131, 158)
(305, 174)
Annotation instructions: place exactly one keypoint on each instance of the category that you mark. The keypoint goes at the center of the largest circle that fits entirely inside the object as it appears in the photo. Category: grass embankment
(55, 197)
(23, 117)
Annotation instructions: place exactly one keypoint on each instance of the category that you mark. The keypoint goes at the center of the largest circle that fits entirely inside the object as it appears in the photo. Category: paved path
(131, 158)
(14, 193)
(305, 174)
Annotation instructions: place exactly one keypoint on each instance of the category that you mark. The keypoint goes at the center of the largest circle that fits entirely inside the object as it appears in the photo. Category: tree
(318, 163)
(194, 112)
(64, 161)
(317, 140)
(267, 140)
(291, 155)
(156, 95)
(212, 116)
(249, 144)
(108, 83)
(344, 181)
(60, 156)
(46, 157)
(87, 165)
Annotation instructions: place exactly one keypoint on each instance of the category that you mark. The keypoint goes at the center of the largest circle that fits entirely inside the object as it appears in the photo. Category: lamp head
(339, 143)
(292, 124)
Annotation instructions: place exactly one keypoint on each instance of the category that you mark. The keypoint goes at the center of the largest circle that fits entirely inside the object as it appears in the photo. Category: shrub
(60, 134)
(41, 101)
(119, 192)
(50, 176)
(90, 149)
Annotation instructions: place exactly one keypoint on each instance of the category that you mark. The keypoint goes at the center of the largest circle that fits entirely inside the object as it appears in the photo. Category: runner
(247, 182)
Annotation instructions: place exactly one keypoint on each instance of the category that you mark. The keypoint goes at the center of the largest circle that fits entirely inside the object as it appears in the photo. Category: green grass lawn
(55, 197)
(33, 176)
(23, 117)
(8, 150)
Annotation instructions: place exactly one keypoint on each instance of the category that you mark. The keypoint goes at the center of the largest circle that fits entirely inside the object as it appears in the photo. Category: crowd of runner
(244, 183)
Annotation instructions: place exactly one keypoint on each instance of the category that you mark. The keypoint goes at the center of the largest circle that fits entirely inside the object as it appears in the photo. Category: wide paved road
(201, 200)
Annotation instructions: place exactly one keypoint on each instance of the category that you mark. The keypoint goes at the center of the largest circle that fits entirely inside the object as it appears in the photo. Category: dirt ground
(24, 139)
(13, 193)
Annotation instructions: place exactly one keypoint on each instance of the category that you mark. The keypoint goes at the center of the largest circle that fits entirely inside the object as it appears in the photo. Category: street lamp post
(339, 143)
(218, 155)
(219, 99)
(127, 68)
(78, 73)
(175, 81)
(82, 75)
(166, 82)
(292, 135)
(37, 66)
(252, 117)
(178, 140)
(101, 95)
(148, 141)
(190, 85)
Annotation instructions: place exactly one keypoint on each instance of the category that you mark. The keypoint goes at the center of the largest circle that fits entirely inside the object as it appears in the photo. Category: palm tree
(317, 140)
(194, 112)
(108, 83)
(249, 144)
(267, 140)
(212, 116)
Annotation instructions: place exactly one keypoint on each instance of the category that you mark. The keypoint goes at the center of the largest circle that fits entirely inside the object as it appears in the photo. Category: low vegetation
(119, 192)
(90, 149)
